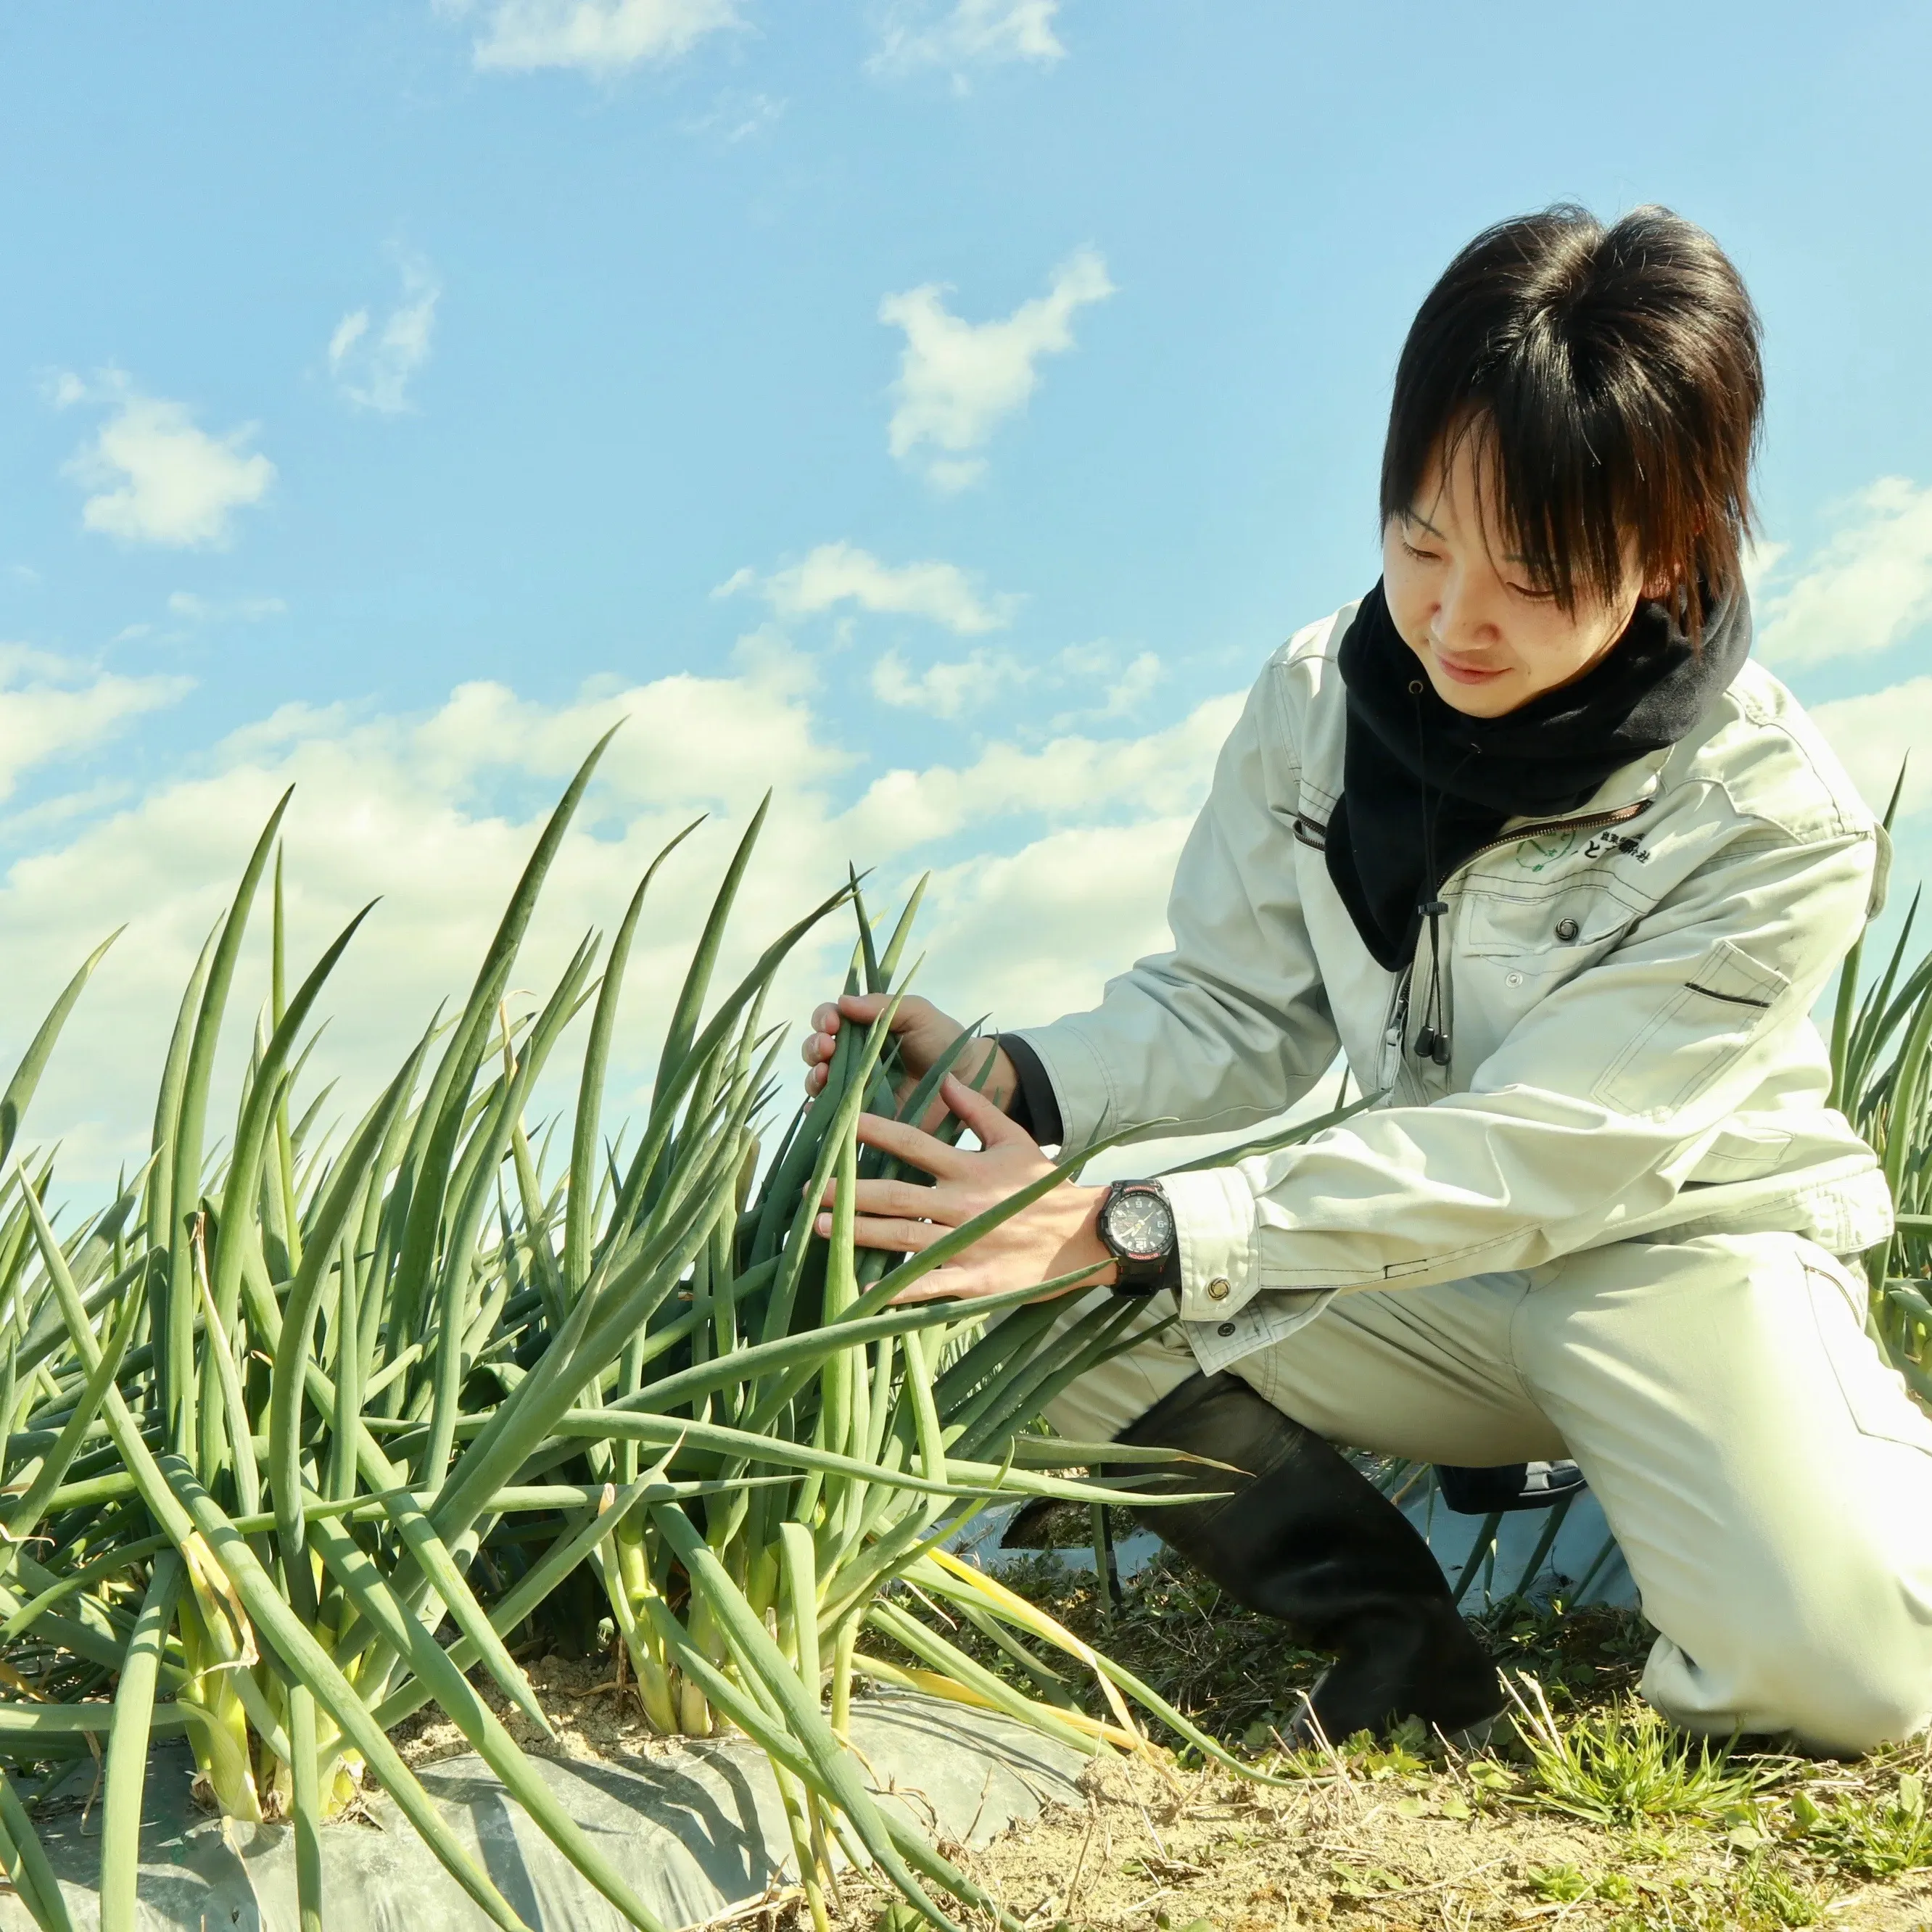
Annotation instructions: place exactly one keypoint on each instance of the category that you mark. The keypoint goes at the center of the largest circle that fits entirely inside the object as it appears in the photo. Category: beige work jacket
(1627, 990)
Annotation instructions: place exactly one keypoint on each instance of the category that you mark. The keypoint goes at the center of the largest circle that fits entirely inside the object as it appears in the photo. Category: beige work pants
(1768, 1477)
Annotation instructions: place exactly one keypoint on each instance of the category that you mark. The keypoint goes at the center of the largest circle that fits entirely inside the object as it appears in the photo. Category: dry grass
(1398, 1845)
(1588, 1816)
(1588, 1813)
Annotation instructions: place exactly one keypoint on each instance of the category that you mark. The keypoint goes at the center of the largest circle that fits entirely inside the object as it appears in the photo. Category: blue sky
(935, 411)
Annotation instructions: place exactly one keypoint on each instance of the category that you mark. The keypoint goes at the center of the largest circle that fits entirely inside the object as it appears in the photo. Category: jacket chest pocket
(1703, 1025)
(1551, 933)
(1514, 950)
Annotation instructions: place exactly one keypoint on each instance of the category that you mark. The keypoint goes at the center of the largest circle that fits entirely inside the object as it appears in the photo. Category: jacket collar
(1633, 784)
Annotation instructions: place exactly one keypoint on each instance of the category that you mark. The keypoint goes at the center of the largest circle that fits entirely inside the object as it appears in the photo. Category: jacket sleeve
(1587, 1118)
(1233, 1025)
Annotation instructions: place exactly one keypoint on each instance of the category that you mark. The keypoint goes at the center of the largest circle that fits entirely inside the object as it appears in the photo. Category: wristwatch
(1137, 1226)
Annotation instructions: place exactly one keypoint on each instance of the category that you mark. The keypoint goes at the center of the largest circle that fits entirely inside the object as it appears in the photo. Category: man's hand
(1053, 1236)
(923, 1034)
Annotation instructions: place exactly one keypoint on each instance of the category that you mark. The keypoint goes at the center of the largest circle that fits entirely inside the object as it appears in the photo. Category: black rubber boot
(1307, 1538)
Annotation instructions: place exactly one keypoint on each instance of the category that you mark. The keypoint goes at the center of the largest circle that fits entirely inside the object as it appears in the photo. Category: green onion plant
(1881, 1079)
(302, 1430)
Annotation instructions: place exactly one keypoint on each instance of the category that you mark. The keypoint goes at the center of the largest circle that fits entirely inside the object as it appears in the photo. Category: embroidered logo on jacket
(1603, 844)
(1534, 854)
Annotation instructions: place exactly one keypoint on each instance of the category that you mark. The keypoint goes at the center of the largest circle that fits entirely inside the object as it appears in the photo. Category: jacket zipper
(1591, 821)
(1312, 832)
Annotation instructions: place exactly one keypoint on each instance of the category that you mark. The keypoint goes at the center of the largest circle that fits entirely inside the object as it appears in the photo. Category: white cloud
(946, 690)
(1026, 936)
(915, 34)
(437, 813)
(842, 573)
(201, 610)
(373, 370)
(1880, 734)
(957, 380)
(1073, 777)
(1108, 687)
(736, 117)
(156, 478)
(1868, 588)
(1120, 689)
(597, 36)
(51, 707)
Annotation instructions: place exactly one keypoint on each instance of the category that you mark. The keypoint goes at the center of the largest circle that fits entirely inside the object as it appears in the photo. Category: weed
(1624, 1764)
(1766, 1894)
(1565, 1884)
(1875, 1835)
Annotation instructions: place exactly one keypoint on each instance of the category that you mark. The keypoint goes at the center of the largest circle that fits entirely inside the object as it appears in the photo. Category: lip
(1463, 672)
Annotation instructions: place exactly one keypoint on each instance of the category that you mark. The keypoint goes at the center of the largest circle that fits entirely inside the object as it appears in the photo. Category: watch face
(1140, 1225)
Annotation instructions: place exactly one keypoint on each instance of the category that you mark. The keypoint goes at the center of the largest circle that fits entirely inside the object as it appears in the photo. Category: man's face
(1489, 638)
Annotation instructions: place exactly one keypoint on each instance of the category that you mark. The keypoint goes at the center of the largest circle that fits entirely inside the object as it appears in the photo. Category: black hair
(1612, 381)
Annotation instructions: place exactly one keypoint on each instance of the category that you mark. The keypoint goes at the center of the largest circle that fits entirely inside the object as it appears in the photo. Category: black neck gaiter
(1423, 785)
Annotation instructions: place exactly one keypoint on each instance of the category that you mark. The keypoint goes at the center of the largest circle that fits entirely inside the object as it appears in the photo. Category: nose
(1464, 615)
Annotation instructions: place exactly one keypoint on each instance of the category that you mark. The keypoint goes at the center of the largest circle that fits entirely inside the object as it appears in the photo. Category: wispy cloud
(199, 610)
(373, 365)
(958, 380)
(946, 690)
(1108, 684)
(961, 35)
(432, 811)
(156, 477)
(736, 116)
(1070, 779)
(842, 573)
(1866, 588)
(595, 37)
(1114, 689)
(53, 706)
(1880, 735)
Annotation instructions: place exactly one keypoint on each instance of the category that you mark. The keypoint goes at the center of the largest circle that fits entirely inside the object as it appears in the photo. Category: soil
(592, 1712)
(1209, 1850)
(1407, 1836)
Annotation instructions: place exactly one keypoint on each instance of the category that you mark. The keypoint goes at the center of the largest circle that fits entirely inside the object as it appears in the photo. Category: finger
(943, 1284)
(957, 1281)
(897, 1237)
(917, 1149)
(986, 1121)
(815, 1077)
(825, 1018)
(864, 1007)
(905, 1199)
(963, 1281)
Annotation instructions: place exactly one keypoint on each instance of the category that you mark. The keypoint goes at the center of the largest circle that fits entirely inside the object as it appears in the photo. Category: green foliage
(1623, 1766)
(299, 1439)
(1875, 1834)
(1882, 1078)
(300, 1433)
(1563, 1883)
(1766, 1894)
